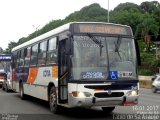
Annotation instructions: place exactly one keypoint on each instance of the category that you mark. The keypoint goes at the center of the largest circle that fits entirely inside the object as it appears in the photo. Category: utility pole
(108, 11)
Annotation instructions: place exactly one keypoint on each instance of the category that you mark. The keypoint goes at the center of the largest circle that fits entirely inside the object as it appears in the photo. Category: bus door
(62, 72)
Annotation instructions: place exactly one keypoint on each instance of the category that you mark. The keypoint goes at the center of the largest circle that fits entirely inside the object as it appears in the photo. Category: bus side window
(18, 56)
(14, 60)
(21, 60)
(52, 51)
(27, 55)
(34, 55)
(42, 53)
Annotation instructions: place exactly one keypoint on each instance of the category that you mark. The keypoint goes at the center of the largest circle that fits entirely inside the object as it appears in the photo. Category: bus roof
(56, 31)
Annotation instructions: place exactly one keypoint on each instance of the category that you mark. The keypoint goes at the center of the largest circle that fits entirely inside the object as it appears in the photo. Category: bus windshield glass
(103, 58)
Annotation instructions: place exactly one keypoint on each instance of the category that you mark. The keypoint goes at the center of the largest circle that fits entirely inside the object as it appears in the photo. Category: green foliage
(150, 7)
(93, 12)
(155, 62)
(127, 18)
(130, 7)
(10, 46)
(149, 62)
(148, 26)
(156, 15)
(146, 72)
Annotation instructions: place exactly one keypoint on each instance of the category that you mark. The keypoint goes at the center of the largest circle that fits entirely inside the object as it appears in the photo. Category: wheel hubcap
(53, 101)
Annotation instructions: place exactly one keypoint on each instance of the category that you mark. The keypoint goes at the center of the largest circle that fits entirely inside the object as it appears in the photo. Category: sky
(19, 18)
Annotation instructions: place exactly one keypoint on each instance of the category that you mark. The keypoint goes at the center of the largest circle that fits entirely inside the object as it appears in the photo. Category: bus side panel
(38, 81)
(36, 91)
(19, 75)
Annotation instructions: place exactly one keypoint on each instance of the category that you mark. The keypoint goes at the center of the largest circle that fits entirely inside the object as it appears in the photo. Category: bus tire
(3, 88)
(54, 107)
(21, 91)
(6, 89)
(108, 110)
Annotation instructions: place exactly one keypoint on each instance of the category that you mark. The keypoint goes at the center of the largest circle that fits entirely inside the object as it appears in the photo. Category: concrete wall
(145, 81)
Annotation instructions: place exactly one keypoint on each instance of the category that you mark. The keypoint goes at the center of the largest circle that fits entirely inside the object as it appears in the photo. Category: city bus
(79, 64)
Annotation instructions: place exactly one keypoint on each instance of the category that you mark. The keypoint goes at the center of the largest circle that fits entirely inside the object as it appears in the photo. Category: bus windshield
(97, 58)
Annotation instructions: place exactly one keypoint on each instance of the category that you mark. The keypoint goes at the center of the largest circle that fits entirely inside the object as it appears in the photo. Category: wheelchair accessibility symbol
(113, 75)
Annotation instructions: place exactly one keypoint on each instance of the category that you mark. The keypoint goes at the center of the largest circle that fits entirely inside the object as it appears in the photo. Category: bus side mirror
(138, 53)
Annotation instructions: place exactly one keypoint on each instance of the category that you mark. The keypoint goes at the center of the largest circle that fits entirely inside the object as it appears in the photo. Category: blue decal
(90, 75)
(113, 75)
(46, 73)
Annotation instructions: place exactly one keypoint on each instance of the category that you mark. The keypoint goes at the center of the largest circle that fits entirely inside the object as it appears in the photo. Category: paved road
(33, 109)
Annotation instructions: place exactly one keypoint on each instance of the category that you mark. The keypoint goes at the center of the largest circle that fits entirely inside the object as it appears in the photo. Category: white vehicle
(80, 64)
(156, 84)
(7, 85)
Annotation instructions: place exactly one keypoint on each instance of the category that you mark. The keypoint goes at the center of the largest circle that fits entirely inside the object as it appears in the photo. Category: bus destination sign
(103, 28)
(5, 57)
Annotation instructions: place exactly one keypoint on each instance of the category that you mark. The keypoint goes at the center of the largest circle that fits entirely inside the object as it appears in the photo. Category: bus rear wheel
(108, 109)
(54, 107)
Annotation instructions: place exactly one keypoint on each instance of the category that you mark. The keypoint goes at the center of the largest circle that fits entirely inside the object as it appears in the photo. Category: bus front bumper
(103, 102)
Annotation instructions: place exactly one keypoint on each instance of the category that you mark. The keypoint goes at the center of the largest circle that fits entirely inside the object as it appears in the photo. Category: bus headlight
(9, 82)
(84, 94)
(81, 94)
(132, 93)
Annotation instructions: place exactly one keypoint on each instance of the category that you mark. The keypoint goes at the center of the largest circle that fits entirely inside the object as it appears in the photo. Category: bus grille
(106, 95)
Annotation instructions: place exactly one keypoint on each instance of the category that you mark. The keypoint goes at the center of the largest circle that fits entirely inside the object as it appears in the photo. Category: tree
(93, 12)
(150, 7)
(128, 14)
(130, 7)
(149, 30)
(127, 18)
(10, 46)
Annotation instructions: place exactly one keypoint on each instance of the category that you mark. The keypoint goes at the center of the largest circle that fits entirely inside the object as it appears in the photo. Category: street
(34, 109)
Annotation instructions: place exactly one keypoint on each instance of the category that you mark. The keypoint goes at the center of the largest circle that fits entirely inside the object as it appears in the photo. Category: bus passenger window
(21, 58)
(42, 53)
(27, 56)
(34, 55)
(15, 59)
(18, 56)
(52, 52)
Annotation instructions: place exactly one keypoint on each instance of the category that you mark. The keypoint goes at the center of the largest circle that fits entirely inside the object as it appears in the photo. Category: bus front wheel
(108, 109)
(21, 91)
(54, 107)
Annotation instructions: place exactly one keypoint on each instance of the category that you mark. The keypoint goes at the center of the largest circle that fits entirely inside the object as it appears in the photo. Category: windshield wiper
(96, 41)
(117, 45)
